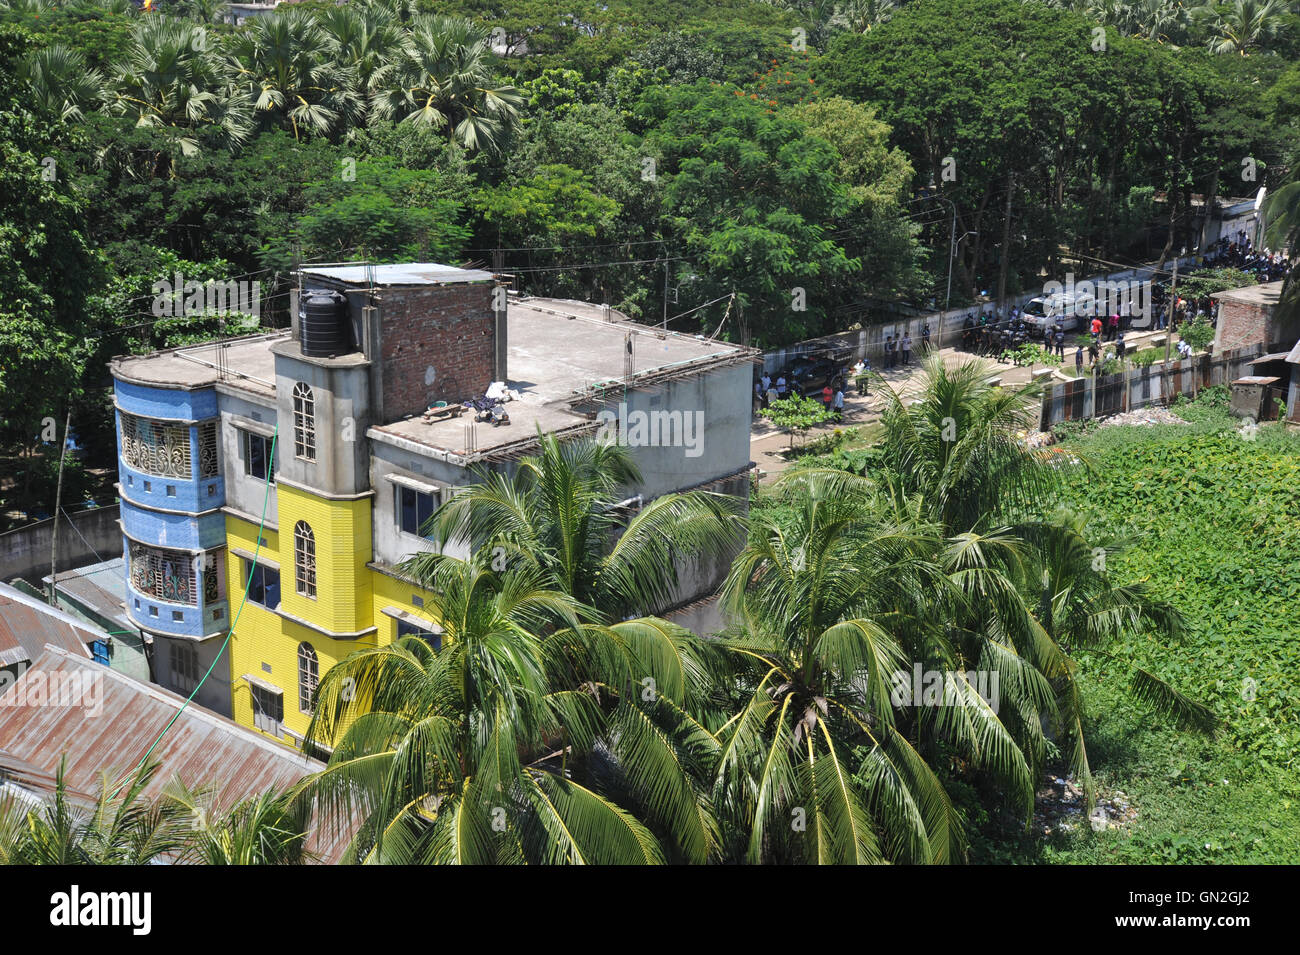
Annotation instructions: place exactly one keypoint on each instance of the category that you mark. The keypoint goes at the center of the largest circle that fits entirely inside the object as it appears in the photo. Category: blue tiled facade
(172, 490)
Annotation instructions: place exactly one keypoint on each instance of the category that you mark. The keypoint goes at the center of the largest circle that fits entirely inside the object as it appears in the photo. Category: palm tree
(1021, 586)
(60, 82)
(286, 64)
(367, 41)
(1247, 25)
(266, 829)
(1082, 609)
(560, 513)
(861, 16)
(823, 760)
(444, 80)
(486, 750)
(119, 827)
(959, 449)
(204, 11)
(170, 79)
(1282, 209)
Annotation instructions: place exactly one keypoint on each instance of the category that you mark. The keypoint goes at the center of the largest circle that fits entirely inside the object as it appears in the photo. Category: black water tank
(323, 323)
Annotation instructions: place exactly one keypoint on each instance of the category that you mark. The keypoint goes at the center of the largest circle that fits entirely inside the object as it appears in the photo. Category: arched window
(308, 677)
(304, 559)
(304, 422)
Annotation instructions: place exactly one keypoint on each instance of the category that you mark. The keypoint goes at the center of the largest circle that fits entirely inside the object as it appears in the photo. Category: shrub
(1148, 356)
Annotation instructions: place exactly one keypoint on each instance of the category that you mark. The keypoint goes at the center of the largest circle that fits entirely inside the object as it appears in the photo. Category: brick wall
(436, 345)
(1242, 324)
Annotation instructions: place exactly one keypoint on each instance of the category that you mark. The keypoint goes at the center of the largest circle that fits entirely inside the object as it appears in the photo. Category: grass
(1209, 510)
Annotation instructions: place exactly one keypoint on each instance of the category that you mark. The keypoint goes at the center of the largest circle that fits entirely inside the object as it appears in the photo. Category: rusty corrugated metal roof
(111, 728)
(27, 625)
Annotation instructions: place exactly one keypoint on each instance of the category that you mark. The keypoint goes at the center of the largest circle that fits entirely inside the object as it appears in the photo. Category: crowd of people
(991, 331)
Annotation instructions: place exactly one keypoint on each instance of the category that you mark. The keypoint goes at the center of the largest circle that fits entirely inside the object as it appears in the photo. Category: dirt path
(767, 443)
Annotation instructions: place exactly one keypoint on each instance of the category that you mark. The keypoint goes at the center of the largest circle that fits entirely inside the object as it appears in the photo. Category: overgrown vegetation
(1207, 511)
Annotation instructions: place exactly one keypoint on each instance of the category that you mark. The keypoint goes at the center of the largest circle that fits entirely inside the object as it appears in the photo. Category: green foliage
(46, 263)
(1197, 333)
(1204, 284)
(1147, 357)
(1196, 502)
(386, 214)
(797, 414)
(749, 197)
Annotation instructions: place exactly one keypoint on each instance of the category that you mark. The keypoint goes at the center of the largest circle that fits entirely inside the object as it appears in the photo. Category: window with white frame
(304, 421)
(413, 509)
(304, 559)
(308, 677)
(259, 462)
(407, 629)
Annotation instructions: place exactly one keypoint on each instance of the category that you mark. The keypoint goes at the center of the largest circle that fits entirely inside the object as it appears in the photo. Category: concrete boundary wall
(945, 327)
(88, 537)
(1156, 385)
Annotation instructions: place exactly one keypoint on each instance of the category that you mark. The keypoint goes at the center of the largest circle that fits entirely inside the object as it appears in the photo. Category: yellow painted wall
(349, 596)
(343, 600)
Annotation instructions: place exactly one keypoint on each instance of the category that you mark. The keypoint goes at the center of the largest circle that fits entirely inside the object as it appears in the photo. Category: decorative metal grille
(211, 581)
(304, 559)
(208, 457)
(152, 447)
(304, 422)
(163, 575)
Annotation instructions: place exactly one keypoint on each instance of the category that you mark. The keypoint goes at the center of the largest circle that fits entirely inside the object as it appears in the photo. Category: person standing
(1078, 360)
(781, 386)
(837, 404)
(925, 338)
(827, 395)
(1059, 336)
(1114, 327)
(1119, 348)
(1096, 328)
(889, 352)
(907, 349)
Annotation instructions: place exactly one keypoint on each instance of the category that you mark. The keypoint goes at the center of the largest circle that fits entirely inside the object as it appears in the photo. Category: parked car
(1046, 310)
(809, 375)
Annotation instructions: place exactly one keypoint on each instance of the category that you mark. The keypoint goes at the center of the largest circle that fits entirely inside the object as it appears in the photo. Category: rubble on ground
(1142, 416)
(1060, 806)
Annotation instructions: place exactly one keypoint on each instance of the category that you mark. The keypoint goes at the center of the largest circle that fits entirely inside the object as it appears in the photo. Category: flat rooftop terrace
(242, 362)
(559, 352)
(1270, 293)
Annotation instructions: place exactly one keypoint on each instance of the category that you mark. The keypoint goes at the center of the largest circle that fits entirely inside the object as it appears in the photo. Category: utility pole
(952, 256)
(665, 296)
(58, 504)
(1169, 330)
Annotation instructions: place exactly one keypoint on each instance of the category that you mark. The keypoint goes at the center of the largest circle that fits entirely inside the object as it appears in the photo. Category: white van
(1046, 310)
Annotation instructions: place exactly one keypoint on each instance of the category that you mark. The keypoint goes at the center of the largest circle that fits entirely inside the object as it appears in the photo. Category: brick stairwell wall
(437, 344)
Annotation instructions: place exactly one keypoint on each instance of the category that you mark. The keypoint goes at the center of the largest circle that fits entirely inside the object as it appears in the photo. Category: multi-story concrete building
(301, 466)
